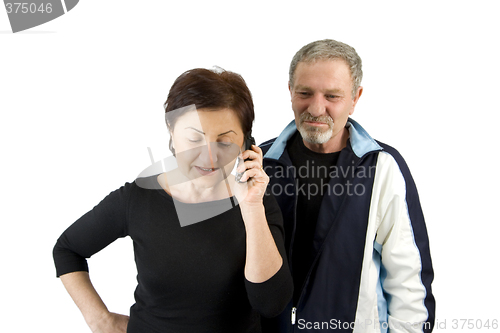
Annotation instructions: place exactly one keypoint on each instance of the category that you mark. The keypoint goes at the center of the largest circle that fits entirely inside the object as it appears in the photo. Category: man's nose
(317, 106)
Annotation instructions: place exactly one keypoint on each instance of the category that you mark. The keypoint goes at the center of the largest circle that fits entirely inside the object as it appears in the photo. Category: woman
(223, 268)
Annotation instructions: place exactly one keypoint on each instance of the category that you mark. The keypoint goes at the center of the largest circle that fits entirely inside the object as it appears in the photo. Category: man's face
(322, 101)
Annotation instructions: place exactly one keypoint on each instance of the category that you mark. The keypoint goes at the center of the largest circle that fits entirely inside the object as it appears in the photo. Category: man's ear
(290, 88)
(356, 99)
(358, 95)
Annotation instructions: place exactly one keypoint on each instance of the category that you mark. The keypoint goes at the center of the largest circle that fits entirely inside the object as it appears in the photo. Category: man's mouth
(315, 123)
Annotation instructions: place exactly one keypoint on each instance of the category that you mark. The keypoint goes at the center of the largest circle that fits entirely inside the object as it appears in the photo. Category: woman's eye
(194, 140)
(225, 144)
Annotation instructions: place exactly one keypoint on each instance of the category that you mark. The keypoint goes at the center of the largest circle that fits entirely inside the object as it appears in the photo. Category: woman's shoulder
(149, 183)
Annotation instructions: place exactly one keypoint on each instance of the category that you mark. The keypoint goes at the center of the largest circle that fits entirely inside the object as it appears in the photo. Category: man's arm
(406, 269)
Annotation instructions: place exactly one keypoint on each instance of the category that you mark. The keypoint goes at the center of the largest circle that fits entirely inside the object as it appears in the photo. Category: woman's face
(207, 143)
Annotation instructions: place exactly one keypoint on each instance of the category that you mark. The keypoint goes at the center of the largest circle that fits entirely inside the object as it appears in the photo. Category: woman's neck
(189, 192)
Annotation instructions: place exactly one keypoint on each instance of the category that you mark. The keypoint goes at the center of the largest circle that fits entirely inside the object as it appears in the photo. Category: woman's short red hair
(211, 89)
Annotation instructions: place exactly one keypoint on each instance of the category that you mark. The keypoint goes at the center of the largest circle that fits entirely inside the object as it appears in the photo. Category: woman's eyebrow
(226, 133)
(197, 130)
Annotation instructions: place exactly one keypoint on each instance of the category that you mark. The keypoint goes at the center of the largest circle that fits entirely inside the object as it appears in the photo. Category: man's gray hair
(329, 49)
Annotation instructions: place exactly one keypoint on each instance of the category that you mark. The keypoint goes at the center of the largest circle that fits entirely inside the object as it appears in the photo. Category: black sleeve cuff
(270, 297)
(67, 261)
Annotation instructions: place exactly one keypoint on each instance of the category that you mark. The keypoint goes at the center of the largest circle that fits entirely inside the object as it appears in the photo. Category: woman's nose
(208, 155)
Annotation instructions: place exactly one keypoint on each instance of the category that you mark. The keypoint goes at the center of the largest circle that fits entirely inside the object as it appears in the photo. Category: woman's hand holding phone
(252, 184)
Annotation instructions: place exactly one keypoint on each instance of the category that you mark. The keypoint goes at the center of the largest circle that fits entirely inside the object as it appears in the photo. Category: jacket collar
(360, 141)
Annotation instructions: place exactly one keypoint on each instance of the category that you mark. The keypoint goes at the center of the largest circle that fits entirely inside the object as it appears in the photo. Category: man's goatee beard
(313, 134)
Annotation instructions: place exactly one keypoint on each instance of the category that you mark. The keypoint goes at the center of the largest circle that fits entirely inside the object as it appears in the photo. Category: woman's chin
(208, 181)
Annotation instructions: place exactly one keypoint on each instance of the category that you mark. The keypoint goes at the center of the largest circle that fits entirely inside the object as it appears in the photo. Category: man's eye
(331, 96)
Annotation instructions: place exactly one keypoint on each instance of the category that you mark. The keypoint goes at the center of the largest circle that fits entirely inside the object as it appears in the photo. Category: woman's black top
(190, 278)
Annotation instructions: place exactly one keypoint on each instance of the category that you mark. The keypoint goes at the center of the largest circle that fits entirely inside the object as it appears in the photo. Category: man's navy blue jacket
(372, 270)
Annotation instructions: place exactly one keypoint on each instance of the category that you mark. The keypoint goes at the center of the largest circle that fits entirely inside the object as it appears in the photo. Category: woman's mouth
(206, 171)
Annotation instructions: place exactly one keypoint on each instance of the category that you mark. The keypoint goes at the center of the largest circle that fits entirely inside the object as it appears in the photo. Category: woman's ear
(171, 145)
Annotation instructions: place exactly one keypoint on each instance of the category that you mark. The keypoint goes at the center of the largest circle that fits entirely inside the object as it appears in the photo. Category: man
(355, 234)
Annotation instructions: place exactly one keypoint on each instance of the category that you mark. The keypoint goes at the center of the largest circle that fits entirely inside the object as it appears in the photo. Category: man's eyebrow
(334, 91)
(301, 87)
(328, 91)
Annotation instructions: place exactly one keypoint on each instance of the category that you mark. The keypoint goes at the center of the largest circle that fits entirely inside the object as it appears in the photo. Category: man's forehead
(334, 64)
(331, 75)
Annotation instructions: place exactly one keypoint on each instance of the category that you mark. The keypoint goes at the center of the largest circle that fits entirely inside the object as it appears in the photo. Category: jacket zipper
(294, 309)
(290, 249)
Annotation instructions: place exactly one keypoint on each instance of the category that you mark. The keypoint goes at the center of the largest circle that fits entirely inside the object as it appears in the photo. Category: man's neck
(335, 144)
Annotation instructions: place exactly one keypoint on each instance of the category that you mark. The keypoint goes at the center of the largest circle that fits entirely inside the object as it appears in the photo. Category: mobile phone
(249, 141)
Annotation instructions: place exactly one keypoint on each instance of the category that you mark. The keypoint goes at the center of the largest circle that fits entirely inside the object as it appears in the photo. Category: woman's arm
(263, 259)
(96, 314)
(268, 280)
(88, 235)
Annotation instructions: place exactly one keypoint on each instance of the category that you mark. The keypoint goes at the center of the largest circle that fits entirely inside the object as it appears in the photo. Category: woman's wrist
(252, 209)
(97, 320)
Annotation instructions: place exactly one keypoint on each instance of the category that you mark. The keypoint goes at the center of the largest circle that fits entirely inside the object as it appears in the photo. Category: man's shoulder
(266, 145)
(279, 143)
(394, 153)
(399, 162)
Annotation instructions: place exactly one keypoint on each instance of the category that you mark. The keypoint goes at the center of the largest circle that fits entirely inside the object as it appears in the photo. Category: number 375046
(26, 7)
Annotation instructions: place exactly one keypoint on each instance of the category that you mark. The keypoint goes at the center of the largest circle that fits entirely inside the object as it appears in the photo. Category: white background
(81, 100)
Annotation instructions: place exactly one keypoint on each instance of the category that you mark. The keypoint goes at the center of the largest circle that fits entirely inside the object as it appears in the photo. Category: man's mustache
(306, 116)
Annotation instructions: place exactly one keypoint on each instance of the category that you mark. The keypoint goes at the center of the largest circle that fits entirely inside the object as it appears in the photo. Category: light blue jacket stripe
(361, 141)
(381, 301)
